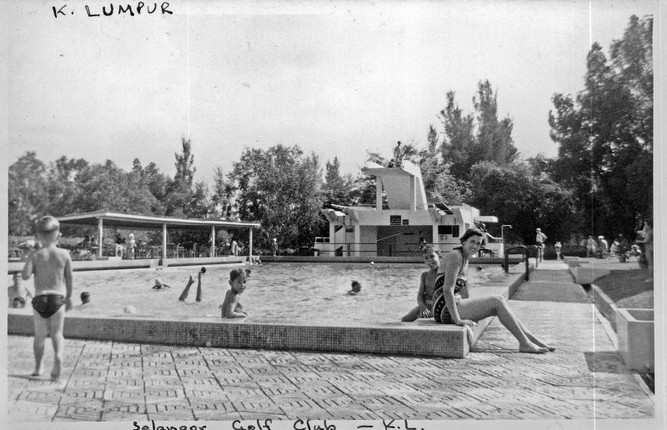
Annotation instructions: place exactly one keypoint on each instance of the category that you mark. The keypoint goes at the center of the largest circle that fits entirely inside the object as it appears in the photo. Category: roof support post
(250, 244)
(211, 252)
(413, 193)
(164, 244)
(100, 236)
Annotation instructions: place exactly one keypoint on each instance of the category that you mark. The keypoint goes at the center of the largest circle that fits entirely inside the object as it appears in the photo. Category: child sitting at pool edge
(427, 280)
(231, 306)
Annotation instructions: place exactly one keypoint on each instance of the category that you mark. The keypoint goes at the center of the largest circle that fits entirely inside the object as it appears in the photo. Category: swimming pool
(277, 293)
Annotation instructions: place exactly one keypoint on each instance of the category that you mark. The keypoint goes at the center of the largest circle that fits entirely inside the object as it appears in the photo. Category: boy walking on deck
(52, 268)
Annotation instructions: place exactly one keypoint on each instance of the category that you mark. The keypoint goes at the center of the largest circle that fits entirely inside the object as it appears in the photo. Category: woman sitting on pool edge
(452, 304)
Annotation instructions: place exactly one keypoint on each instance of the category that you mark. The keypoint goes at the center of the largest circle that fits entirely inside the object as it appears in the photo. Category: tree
(107, 187)
(63, 184)
(337, 188)
(519, 198)
(467, 142)
(156, 182)
(27, 195)
(605, 134)
(222, 199)
(182, 200)
(185, 171)
(280, 188)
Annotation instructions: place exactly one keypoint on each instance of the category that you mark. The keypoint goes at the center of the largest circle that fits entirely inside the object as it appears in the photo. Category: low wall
(373, 259)
(605, 305)
(119, 264)
(422, 338)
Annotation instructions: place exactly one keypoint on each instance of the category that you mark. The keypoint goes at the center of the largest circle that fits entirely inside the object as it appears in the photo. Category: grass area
(628, 288)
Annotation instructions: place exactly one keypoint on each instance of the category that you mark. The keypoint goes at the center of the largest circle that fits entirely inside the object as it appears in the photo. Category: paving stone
(264, 406)
(126, 394)
(213, 393)
(164, 393)
(213, 415)
(236, 381)
(78, 395)
(217, 405)
(304, 409)
(83, 411)
(27, 411)
(357, 413)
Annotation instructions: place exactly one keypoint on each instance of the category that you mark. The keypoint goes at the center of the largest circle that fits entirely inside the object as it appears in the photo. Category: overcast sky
(336, 78)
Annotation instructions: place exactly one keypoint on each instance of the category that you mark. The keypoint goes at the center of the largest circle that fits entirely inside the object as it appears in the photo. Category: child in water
(17, 294)
(191, 280)
(356, 288)
(231, 306)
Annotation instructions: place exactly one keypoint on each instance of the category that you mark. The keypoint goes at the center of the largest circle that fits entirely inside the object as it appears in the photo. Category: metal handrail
(523, 250)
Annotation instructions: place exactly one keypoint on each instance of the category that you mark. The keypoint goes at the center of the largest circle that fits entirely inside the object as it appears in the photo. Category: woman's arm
(420, 292)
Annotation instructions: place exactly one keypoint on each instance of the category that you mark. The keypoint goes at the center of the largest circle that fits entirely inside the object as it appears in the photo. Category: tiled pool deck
(584, 379)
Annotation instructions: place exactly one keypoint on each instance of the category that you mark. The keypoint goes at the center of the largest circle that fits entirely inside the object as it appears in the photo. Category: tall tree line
(600, 182)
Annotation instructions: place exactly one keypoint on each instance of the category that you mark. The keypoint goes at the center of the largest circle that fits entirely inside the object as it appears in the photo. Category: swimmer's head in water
(239, 273)
(237, 279)
(85, 297)
(356, 286)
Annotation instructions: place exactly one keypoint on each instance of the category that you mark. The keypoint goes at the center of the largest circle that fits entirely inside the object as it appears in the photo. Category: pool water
(289, 293)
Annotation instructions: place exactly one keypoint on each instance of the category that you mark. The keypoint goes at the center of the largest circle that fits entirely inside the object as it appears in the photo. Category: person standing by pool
(539, 241)
(52, 267)
(231, 306)
(647, 241)
(131, 246)
(591, 247)
(451, 304)
(235, 248)
(274, 246)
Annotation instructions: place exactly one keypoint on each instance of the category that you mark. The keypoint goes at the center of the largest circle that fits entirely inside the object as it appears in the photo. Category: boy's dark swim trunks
(48, 304)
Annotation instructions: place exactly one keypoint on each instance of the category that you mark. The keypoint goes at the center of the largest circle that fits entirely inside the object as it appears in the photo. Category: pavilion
(114, 219)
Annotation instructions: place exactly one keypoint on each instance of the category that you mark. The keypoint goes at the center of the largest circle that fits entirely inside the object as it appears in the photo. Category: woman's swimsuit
(48, 304)
(440, 311)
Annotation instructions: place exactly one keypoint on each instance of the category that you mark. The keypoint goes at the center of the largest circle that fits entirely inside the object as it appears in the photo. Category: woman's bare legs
(534, 339)
(483, 307)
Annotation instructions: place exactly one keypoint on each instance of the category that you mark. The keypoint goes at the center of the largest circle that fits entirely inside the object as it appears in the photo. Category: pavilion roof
(116, 219)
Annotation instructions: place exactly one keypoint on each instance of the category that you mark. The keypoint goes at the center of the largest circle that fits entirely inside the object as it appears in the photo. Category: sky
(335, 78)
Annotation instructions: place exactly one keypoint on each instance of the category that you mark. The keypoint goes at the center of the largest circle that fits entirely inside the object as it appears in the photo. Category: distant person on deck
(540, 238)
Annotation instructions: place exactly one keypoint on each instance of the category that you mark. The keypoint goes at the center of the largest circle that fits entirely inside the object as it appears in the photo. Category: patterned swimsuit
(440, 311)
